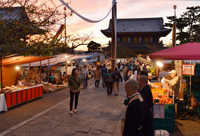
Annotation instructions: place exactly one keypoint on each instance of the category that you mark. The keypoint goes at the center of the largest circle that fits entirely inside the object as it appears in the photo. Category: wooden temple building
(137, 36)
(16, 18)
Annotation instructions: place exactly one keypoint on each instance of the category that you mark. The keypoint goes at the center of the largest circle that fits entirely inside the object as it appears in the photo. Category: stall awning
(18, 60)
(187, 51)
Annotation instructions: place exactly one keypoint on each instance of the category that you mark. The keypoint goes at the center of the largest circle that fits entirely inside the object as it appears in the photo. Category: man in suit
(145, 90)
(137, 116)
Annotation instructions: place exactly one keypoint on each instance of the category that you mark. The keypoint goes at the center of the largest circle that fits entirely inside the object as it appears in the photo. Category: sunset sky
(97, 9)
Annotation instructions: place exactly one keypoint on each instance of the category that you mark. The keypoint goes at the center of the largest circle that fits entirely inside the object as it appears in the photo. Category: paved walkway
(98, 115)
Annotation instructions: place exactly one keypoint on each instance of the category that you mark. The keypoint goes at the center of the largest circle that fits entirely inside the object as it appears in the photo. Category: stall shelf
(25, 95)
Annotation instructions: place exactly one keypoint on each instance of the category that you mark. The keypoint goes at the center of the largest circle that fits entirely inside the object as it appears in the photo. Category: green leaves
(187, 25)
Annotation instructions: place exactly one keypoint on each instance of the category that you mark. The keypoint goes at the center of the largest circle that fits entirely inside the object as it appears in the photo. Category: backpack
(104, 72)
(109, 77)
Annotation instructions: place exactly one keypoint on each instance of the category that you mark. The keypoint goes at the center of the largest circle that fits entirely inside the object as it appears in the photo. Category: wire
(84, 18)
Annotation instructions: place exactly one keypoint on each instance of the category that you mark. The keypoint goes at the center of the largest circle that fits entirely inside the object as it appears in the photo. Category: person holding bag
(74, 84)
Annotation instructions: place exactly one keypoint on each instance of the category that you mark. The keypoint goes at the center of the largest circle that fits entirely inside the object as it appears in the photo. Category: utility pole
(65, 27)
(113, 36)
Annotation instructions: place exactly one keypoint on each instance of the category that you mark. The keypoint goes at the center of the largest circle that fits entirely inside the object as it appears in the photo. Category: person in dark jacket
(103, 74)
(127, 75)
(145, 90)
(116, 78)
(137, 119)
(109, 81)
(74, 85)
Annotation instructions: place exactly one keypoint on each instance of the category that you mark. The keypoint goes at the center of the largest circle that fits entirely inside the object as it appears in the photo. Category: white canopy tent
(57, 59)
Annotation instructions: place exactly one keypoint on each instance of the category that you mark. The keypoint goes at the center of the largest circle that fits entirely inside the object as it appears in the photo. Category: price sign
(159, 111)
(186, 69)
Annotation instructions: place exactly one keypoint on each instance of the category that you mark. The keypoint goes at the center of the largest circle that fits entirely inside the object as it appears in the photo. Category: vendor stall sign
(186, 69)
(140, 61)
(159, 111)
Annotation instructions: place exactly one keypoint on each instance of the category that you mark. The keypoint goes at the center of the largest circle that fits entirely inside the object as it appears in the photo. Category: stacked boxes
(168, 122)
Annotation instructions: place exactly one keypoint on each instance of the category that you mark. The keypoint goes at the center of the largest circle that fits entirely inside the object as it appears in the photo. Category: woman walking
(109, 81)
(74, 86)
(97, 76)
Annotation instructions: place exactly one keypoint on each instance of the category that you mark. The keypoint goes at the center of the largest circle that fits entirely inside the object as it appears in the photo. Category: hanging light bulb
(17, 67)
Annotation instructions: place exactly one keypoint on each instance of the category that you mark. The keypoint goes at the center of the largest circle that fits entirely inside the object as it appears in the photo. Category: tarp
(10, 75)
(57, 59)
(187, 51)
(17, 60)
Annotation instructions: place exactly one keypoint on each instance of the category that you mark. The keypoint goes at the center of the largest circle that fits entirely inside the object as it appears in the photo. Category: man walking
(103, 74)
(137, 116)
(116, 77)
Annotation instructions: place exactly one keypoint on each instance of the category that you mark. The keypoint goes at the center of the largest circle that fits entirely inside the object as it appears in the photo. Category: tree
(93, 46)
(73, 41)
(30, 34)
(187, 25)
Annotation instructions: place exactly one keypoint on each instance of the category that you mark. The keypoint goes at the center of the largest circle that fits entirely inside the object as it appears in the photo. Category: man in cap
(174, 84)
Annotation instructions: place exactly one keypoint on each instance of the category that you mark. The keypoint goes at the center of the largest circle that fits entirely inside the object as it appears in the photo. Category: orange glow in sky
(97, 9)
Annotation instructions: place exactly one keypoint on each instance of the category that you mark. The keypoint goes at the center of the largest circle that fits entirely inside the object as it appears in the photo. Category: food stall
(16, 92)
(187, 51)
(163, 110)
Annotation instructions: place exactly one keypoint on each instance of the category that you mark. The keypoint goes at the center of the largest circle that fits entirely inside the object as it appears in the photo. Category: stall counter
(24, 95)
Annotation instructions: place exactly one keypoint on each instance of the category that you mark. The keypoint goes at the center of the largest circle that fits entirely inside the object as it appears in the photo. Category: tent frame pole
(190, 75)
(1, 77)
(40, 73)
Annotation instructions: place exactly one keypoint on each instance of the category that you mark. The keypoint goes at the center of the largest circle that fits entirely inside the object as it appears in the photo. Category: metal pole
(190, 75)
(175, 25)
(65, 28)
(40, 73)
(1, 76)
(48, 74)
(29, 72)
(66, 71)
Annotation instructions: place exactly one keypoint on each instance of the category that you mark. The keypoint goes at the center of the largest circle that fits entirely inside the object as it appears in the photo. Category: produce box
(168, 122)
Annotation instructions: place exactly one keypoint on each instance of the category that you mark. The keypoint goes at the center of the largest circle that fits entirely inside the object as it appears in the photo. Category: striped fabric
(137, 39)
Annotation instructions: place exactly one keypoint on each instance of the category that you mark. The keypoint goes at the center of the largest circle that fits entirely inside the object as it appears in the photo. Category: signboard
(178, 67)
(186, 69)
(140, 61)
(159, 111)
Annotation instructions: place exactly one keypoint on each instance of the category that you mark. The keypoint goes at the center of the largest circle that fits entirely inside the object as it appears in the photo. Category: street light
(65, 27)
(174, 25)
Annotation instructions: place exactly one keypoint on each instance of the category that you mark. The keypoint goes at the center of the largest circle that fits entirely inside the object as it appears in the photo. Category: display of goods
(157, 84)
(163, 98)
(162, 91)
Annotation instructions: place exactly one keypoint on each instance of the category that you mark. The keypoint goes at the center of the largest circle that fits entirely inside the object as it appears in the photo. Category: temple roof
(18, 14)
(138, 26)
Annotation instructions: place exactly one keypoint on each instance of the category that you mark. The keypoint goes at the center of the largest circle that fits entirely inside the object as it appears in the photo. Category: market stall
(188, 51)
(163, 110)
(15, 91)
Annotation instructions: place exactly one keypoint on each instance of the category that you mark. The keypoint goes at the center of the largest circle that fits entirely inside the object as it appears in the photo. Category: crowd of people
(138, 119)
